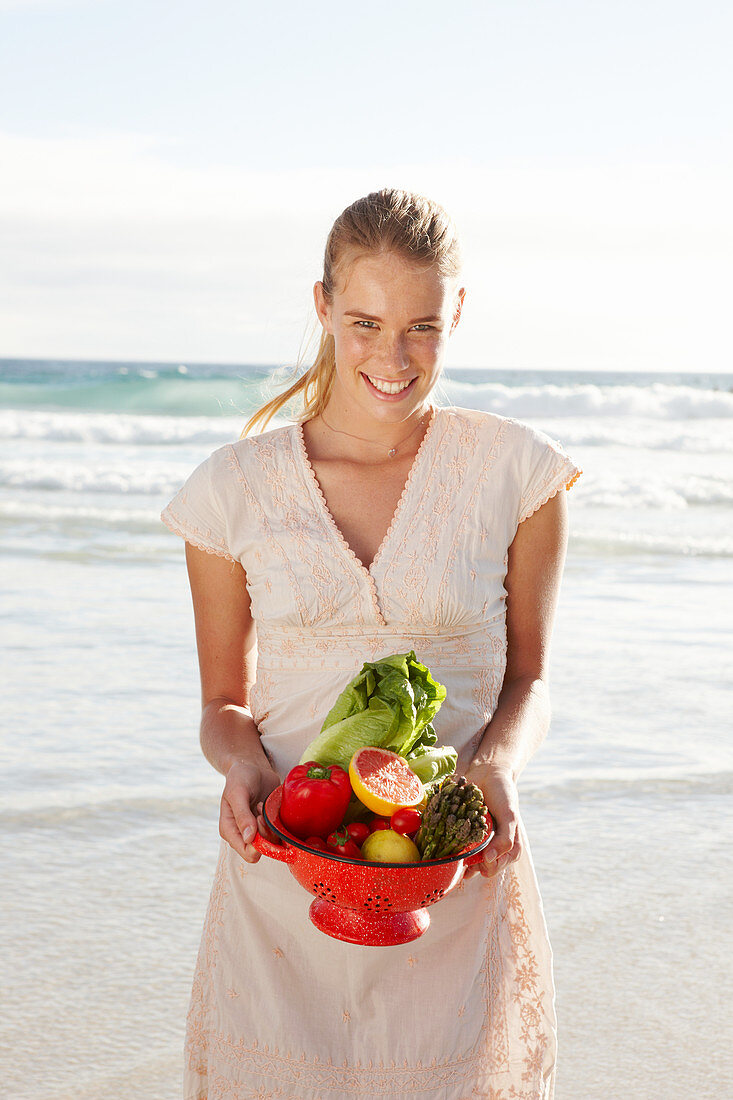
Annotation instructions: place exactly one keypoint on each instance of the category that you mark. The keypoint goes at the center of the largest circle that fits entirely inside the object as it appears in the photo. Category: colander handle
(471, 860)
(275, 851)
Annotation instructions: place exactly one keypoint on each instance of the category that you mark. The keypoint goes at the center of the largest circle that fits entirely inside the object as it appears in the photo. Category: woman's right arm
(225, 638)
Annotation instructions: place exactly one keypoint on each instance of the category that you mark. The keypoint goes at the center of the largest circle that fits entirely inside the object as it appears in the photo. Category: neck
(372, 441)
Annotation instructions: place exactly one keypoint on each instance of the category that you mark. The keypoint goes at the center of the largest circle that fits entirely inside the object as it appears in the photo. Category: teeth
(388, 387)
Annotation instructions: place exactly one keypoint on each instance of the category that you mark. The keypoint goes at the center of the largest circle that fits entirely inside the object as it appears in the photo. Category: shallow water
(109, 812)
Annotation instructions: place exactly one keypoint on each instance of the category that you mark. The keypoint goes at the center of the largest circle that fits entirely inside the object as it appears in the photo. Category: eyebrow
(370, 317)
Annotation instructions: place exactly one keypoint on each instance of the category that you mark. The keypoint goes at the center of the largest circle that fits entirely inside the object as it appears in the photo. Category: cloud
(117, 249)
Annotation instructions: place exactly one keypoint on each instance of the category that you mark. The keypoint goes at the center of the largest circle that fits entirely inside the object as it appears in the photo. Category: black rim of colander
(295, 843)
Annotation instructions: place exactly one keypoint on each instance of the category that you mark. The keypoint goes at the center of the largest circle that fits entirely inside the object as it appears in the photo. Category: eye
(365, 324)
(423, 328)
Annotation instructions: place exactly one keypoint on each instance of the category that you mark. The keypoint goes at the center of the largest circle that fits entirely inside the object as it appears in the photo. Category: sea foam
(658, 401)
(117, 428)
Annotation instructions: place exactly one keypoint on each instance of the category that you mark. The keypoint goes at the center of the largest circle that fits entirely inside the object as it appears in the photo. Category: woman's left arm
(522, 716)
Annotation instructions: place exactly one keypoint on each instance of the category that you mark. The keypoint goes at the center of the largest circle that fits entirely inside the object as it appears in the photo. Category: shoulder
(513, 434)
(247, 456)
(277, 440)
(473, 420)
(527, 465)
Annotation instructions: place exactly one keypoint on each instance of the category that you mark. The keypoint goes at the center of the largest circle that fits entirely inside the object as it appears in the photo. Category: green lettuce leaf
(338, 743)
(434, 763)
(390, 703)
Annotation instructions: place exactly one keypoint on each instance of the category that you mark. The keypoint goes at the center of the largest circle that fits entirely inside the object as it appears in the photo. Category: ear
(323, 307)
(461, 294)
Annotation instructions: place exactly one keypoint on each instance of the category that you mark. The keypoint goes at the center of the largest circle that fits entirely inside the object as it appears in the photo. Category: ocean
(109, 811)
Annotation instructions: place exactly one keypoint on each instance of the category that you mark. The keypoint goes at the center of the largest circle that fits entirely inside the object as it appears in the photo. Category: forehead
(390, 283)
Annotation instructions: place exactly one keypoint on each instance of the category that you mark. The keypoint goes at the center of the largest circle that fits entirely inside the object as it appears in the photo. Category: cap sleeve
(196, 512)
(547, 470)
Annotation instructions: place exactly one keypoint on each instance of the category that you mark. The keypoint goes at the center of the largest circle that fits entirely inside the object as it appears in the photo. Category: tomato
(379, 823)
(358, 832)
(341, 843)
(316, 842)
(406, 821)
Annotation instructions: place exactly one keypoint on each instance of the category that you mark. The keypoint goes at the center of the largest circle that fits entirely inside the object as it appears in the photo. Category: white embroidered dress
(279, 1009)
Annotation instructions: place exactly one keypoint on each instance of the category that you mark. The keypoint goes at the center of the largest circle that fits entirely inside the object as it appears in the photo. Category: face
(390, 320)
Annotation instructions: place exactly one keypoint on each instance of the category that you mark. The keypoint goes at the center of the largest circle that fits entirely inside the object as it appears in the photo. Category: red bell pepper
(341, 843)
(314, 799)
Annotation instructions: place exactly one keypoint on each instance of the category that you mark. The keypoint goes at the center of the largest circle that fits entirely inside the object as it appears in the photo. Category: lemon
(387, 846)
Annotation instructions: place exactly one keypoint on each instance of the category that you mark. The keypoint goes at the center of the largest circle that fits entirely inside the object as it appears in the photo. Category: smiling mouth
(388, 387)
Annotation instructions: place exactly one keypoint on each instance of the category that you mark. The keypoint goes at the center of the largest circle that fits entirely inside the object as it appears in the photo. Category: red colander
(372, 904)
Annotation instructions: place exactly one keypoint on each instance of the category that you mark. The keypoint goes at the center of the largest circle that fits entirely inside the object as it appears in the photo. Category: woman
(376, 524)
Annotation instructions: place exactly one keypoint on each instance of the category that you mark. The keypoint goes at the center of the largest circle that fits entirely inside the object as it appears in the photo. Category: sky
(169, 172)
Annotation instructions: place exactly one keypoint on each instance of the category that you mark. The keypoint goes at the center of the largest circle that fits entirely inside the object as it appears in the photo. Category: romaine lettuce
(391, 704)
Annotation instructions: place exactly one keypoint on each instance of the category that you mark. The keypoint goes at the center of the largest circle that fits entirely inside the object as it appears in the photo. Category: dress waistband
(479, 646)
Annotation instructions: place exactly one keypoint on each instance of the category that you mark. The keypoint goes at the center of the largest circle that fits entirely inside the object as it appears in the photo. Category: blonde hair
(384, 221)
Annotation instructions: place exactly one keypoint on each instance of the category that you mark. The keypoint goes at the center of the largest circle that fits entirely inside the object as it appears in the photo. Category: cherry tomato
(358, 832)
(379, 823)
(316, 842)
(406, 821)
(340, 842)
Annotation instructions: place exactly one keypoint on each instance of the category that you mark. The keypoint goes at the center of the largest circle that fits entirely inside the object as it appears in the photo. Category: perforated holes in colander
(434, 895)
(377, 902)
(323, 890)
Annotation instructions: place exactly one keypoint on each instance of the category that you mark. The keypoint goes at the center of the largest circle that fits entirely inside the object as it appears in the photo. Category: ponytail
(313, 388)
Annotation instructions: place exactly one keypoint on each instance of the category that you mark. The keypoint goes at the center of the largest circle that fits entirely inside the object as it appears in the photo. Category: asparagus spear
(454, 818)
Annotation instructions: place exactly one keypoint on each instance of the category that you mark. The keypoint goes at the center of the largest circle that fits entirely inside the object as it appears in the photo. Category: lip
(388, 396)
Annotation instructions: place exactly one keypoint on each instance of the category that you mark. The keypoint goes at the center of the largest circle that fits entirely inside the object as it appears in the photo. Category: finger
(231, 832)
(264, 829)
(238, 799)
(504, 838)
(490, 868)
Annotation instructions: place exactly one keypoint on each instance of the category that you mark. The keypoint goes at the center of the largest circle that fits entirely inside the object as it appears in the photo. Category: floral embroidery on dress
(430, 522)
(323, 1077)
(555, 471)
(436, 586)
(328, 524)
(264, 525)
(488, 682)
(201, 537)
(471, 506)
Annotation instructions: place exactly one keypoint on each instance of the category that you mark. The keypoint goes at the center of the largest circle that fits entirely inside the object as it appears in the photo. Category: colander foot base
(368, 929)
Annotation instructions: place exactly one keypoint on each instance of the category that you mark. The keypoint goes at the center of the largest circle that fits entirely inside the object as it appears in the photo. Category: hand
(246, 788)
(501, 796)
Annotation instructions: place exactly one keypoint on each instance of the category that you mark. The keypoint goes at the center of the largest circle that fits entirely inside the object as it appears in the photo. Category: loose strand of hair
(313, 388)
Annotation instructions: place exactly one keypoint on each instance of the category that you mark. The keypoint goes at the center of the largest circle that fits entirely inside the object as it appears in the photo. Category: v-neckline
(399, 507)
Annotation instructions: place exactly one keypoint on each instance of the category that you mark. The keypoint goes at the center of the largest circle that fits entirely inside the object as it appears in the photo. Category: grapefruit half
(383, 781)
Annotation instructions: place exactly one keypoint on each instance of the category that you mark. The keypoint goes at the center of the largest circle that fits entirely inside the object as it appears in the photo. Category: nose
(394, 355)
